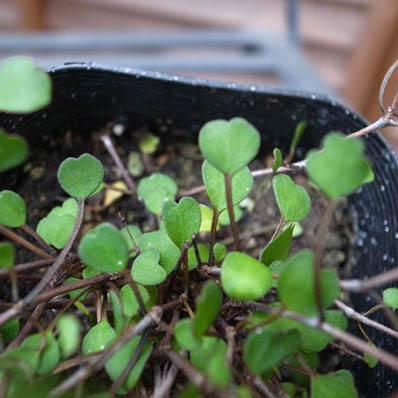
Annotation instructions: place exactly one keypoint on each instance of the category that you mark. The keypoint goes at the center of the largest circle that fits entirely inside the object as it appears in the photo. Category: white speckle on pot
(119, 129)
(252, 88)
(385, 222)
(373, 241)
(347, 112)
(382, 188)
(73, 95)
(385, 256)
(313, 96)
(386, 229)
(360, 242)
(175, 78)
(396, 235)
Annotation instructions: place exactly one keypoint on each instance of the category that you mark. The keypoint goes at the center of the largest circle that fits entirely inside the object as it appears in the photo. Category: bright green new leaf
(149, 144)
(98, 338)
(207, 308)
(229, 145)
(370, 359)
(132, 235)
(56, 230)
(129, 301)
(104, 249)
(331, 387)
(76, 292)
(24, 88)
(244, 278)
(390, 297)
(156, 190)
(50, 355)
(13, 150)
(159, 240)
(219, 252)
(203, 254)
(12, 209)
(340, 169)
(265, 349)
(26, 361)
(183, 332)
(7, 254)
(224, 216)
(80, 177)
(120, 359)
(147, 270)
(298, 133)
(241, 185)
(9, 330)
(276, 267)
(278, 160)
(68, 334)
(296, 284)
(293, 200)
(279, 248)
(89, 273)
(69, 206)
(207, 219)
(182, 220)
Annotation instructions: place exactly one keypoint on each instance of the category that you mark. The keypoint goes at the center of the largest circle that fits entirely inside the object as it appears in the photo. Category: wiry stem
(230, 207)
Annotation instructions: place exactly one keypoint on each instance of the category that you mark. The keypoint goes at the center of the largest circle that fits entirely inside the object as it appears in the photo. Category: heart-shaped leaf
(278, 160)
(98, 338)
(80, 177)
(120, 359)
(12, 209)
(146, 269)
(296, 284)
(159, 240)
(183, 332)
(241, 184)
(24, 88)
(13, 150)
(182, 220)
(390, 297)
(156, 190)
(293, 200)
(229, 145)
(370, 359)
(265, 349)
(149, 144)
(132, 235)
(129, 301)
(7, 254)
(279, 248)
(104, 249)
(207, 219)
(340, 169)
(332, 386)
(68, 334)
(219, 252)
(56, 230)
(244, 278)
(207, 308)
(69, 206)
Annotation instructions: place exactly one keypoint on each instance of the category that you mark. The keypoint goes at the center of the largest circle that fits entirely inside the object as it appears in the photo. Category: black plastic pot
(87, 97)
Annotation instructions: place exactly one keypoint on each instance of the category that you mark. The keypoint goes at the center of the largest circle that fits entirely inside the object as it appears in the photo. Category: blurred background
(338, 47)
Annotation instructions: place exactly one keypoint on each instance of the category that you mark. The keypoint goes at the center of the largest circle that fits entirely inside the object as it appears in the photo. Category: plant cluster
(174, 302)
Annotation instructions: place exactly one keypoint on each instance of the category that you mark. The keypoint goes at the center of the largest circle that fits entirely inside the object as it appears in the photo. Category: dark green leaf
(130, 303)
(9, 330)
(98, 338)
(183, 332)
(12, 209)
(298, 133)
(370, 359)
(279, 248)
(390, 297)
(332, 387)
(278, 160)
(132, 235)
(146, 269)
(13, 150)
(7, 254)
(56, 230)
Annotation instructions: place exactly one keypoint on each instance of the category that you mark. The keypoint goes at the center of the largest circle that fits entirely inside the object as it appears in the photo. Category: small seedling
(147, 270)
(12, 209)
(13, 150)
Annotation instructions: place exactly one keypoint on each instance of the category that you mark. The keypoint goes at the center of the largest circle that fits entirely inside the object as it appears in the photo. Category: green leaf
(241, 185)
(50, 354)
(219, 252)
(296, 284)
(9, 330)
(147, 270)
(98, 338)
(293, 200)
(183, 332)
(390, 297)
(129, 302)
(56, 230)
(76, 292)
(80, 177)
(7, 254)
(104, 249)
(298, 133)
(224, 216)
(89, 273)
(69, 207)
(210, 358)
(156, 190)
(203, 254)
(23, 360)
(128, 232)
(182, 220)
(279, 248)
(332, 387)
(149, 144)
(207, 219)
(244, 277)
(369, 359)
(159, 240)
(265, 349)
(13, 150)
(340, 169)
(134, 164)
(207, 308)
(278, 160)
(12, 209)
(276, 267)
(68, 334)
(120, 359)
(119, 320)
(24, 88)
(229, 145)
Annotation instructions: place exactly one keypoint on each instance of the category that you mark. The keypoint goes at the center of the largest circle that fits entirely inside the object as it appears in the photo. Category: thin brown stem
(27, 266)
(230, 207)
(305, 365)
(196, 249)
(141, 305)
(23, 242)
(112, 151)
(38, 239)
(278, 228)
